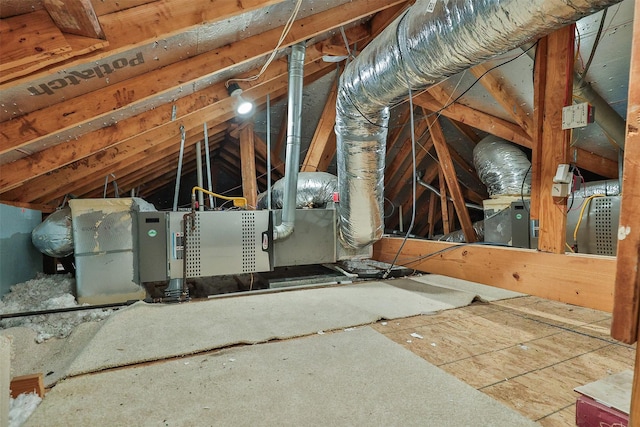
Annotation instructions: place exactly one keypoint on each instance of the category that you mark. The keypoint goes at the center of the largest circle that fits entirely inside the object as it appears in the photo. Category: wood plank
(335, 44)
(554, 145)
(483, 121)
(431, 214)
(106, 7)
(444, 204)
(75, 17)
(30, 38)
(323, 144)
(511, 132)
(405, 174)
(261, 150)
(539, 84)
(403, 198)
(449, 172)
(46, 188)
(495, 85)
(248, 165)
(627, 295)
(401, 156)
(79, 46)
(587, 280)
(192, 70)
(213, 99)
(33, 383)
(466, 130)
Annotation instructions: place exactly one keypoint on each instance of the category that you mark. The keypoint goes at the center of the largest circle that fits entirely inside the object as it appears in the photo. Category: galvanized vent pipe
(431, 41)
(294, 123)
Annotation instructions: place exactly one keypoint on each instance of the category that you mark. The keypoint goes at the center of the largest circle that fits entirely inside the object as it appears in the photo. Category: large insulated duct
(315, 190)
(54, 236)
(294, 124)
(502, 167)
(428, 43)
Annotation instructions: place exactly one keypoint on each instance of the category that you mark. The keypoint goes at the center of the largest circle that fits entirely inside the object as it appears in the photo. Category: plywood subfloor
(528, 353)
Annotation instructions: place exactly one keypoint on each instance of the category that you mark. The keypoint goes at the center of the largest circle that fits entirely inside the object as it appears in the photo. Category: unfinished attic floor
(527, 352)
(511, 360)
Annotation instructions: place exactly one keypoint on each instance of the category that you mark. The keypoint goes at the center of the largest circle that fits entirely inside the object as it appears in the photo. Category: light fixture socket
(234, 89)
(241, 105)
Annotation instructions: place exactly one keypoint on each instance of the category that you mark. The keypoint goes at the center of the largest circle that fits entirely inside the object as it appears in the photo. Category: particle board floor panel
(526, 352)
(355, 377)
(146, 332)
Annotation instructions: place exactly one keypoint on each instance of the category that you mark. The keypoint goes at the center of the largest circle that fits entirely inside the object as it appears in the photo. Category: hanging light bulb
(241, 105)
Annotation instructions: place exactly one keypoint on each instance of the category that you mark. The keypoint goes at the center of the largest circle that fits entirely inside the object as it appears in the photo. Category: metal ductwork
(54, 236)
(502, 167)
(294, 124)
(428, 43)
(315, 190)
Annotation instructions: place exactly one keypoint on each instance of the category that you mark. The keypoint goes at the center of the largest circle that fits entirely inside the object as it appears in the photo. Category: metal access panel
(598, 231)
(313, 240)
(152, 238)
(229, 242)
(520, 225)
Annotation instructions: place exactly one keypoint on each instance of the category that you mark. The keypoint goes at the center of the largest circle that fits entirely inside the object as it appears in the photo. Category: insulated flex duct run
(502, 167)
(431, 41)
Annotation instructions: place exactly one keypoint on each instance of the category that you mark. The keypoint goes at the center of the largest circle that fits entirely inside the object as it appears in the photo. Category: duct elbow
(282, 230)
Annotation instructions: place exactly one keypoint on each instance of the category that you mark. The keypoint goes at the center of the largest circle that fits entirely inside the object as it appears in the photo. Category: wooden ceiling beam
(405, 174)
(323, 144)
(552, 148)
(212, 103)
(449, 173)
(504, 95)
(587, 280)
(164, 162)
(248, 165)
(507, 130)
(212, 114)
(444, 202)
(144, 163)
(398, 165)
(627, 291)
(172, 81)
(277, 165)
(405, 197)
(465, 130)
(75, 17)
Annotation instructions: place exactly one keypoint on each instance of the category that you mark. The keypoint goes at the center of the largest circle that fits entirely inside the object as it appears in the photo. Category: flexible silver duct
(502, 167)
(315, 190)
(54, 236)
(430, 42)
(458, 235)
(294, 123)
(610, 187)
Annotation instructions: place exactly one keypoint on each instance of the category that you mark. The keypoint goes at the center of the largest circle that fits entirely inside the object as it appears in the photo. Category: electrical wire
(595, 46)
(413, 164)
(450, 248)
(437, 112)
(285, 32)
(584, 206)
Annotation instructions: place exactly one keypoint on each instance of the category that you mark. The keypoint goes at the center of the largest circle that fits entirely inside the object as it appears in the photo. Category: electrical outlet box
(578, 115)
(560, 190)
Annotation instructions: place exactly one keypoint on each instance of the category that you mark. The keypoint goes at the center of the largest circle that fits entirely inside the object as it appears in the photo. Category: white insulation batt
(46, 292)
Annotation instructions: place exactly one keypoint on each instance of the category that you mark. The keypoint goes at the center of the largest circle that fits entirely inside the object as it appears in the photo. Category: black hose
(64, 310)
